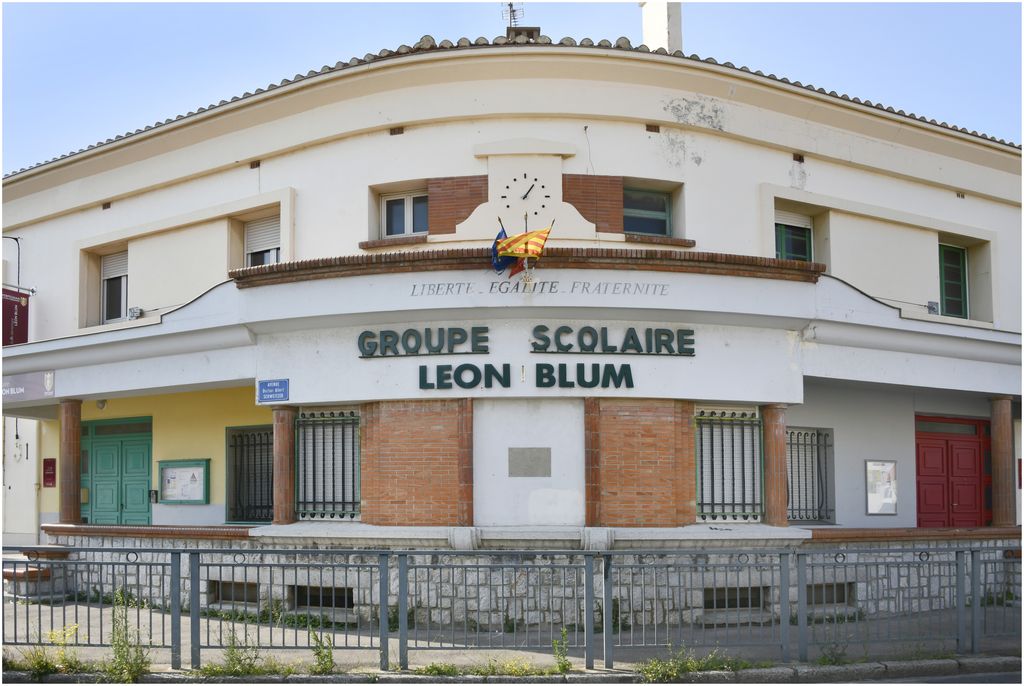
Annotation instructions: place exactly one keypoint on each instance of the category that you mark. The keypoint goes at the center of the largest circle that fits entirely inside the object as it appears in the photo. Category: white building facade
(760, 304)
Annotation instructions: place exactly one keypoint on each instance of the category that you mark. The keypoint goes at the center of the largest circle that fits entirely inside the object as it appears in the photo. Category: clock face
(526, 194)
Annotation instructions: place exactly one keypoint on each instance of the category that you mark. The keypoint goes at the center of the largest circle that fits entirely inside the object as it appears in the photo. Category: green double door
(120, 476)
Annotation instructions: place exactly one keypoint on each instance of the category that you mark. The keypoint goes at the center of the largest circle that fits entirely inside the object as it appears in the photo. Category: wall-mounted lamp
(100, 404)
(154, 497)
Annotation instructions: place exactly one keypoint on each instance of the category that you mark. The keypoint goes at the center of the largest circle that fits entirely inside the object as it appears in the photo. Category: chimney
(531, 32)
(662, 25)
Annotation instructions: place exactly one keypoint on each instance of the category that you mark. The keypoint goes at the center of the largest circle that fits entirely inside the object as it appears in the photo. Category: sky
(78, 73)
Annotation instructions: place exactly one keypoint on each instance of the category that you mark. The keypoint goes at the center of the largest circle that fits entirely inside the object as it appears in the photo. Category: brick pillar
(1004, 478)
(70, 461)
(776, 482)
(592, 460)
(465, 507)
(284, 465)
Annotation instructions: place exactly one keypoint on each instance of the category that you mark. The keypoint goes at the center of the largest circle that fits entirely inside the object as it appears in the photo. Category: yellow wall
(49, 446)
(189, 426)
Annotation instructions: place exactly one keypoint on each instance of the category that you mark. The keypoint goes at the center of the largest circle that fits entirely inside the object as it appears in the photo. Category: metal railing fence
(782, 603)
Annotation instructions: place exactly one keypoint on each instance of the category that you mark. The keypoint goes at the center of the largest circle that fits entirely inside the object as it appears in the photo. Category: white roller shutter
(114, 265)
(793, 219)
(262, 234)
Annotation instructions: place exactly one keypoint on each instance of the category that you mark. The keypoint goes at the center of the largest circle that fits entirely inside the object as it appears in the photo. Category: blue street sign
(272, 391)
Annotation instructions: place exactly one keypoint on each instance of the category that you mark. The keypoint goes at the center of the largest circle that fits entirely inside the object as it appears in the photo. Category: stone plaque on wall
(529, 462)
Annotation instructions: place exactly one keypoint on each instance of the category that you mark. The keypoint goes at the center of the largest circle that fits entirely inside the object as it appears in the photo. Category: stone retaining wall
(498, 588)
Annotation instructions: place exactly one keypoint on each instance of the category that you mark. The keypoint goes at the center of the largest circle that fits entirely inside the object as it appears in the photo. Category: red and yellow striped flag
(530, 244)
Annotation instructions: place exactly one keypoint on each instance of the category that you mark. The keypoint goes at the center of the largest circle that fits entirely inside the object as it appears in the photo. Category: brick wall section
(598, 199)
(639, 456)
(456, 259)
(452, 199)
(417, 463)
(591, 459)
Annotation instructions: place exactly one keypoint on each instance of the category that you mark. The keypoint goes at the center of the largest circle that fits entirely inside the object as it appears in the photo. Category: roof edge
(427, 44)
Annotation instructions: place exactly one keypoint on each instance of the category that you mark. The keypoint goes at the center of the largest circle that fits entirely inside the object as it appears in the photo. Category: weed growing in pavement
(323, 654)
(684, 661)
(493, 667)
(66, 659)
(243, 659)
(36, 660)
(833, 654)
(128, 659)
(438, 669)
(560, 648)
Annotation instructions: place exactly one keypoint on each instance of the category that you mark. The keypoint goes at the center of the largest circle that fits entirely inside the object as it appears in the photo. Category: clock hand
(528, 191)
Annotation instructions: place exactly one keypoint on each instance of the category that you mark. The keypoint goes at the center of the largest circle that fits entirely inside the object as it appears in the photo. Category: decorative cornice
(619, 259)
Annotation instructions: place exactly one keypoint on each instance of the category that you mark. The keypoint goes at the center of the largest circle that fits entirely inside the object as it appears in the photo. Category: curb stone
(329, 678)
(996, 663)
(84, 678)
(715, 677)
(603, 678)
(854, 672)
(911, 668)
(786, 674)
(766, 675)
(545, 679)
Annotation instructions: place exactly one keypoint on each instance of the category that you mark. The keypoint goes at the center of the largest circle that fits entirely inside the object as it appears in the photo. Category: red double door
(953, 483)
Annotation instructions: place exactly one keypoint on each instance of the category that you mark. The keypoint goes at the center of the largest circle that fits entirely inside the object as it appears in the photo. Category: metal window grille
(251, 461)
(327, 469)
(809, 463)
(729, 466)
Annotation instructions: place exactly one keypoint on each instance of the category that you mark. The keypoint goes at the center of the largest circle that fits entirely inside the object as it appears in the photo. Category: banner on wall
(15, 317)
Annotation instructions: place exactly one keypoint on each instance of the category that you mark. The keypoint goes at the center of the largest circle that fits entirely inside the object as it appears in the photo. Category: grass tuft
(684, 661)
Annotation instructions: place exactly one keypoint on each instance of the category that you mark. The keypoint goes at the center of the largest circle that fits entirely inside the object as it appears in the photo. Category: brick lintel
(617, 259)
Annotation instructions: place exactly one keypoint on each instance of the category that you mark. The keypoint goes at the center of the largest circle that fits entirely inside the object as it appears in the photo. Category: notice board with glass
(185, 482)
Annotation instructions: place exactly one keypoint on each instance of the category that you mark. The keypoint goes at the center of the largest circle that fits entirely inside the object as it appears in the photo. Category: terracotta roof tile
(428, 43)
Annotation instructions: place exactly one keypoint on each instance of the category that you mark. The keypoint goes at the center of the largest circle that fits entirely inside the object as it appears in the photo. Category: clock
(529, 196)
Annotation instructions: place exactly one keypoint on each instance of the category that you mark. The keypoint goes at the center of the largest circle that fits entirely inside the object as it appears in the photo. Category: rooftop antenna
(513, 12)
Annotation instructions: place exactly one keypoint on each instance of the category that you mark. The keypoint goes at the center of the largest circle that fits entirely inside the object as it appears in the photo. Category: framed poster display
(185, 482)
(880, 486)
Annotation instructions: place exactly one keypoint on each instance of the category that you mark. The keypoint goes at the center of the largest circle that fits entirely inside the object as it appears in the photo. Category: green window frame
(953, 280)
(793, 243)
(646, 212)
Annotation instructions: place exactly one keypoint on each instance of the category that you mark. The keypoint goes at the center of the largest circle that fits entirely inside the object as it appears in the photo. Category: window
(327, 469)
(729, 465)
(793, 236)
(251, 474)
(263, 241)
(114, 291)
(810, 468)
(953, 280)
(403, 214)
(648, 212)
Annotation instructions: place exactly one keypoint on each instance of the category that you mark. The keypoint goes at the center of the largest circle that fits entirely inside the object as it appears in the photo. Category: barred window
(729, 465)
(250, 474)
(809, 464)
(327, 465)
